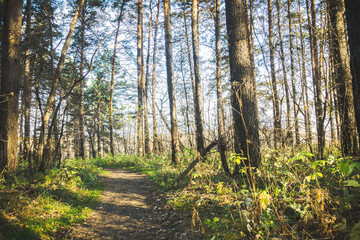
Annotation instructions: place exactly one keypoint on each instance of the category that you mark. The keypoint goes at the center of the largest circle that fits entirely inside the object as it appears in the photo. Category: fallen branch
(193, 164)
(10, 191)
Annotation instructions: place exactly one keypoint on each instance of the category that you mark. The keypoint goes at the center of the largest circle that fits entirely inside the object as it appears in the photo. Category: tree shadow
(11, 230)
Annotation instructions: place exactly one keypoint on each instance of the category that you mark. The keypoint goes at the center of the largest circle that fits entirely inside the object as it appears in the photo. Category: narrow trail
(130, 209)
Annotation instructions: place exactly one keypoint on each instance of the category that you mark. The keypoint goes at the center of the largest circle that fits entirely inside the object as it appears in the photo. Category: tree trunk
(187, 104)
(289, 133)
(146, 84)
(54, 85)
(27, 85)
(140, 63)
(155, 134)
(275, 98)
(92, 151)
(243, 89)
(170, 83)
(10, 84)
(353, 23)
(292, 70)
(316, 75)
(303, 77)
(199, 113)
(220, 105)
(35, 140)
(191, 68)
(113, 78)
(342, 77)
(98, 118)
(81, 114)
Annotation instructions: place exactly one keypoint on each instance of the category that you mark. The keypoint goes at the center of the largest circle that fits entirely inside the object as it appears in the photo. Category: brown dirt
(131, 209)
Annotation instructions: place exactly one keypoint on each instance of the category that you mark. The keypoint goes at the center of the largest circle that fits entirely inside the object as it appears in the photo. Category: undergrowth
(292, 196)
(44, 206)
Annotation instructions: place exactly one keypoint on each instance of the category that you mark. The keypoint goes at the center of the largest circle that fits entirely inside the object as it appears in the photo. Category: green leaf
(319, 174)
(346, 168)
(314, 164)
(352, 183)
(357, 165)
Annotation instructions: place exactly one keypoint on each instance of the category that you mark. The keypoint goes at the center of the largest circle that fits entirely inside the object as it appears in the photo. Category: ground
(130, 208)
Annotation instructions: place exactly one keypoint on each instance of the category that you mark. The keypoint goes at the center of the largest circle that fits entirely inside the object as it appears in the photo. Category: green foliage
(44, 206)
(290, 195)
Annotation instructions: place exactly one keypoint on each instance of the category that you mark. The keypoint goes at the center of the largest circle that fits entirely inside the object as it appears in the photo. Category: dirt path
(130, 209)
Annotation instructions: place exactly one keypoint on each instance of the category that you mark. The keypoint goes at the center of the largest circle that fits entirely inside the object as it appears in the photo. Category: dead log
(193, 164)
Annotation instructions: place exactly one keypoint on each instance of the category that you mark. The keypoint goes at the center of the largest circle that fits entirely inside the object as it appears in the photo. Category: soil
(130, 208)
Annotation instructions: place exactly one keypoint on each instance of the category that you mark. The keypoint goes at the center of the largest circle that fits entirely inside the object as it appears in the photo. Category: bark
(170, 83)
(220, 105)
(81, 107)
(113, 77)
(140, 63)
(275, 98)
(155, 134)
(27, 85)
(187, 104)
(199, 113)
(191, 68)
(35, 140)
(54, 85)
(10, 84)
(289, 133)
(353, 23)
(302, 63)
(250, 5)
(243, 89)
(342, 76)
(146, 84)
(92, 151)
(98, 120)
(292, 72)
(316, 76)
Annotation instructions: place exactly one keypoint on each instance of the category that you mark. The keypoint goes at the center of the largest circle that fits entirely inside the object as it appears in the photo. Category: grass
(46, 205)
(292, 196)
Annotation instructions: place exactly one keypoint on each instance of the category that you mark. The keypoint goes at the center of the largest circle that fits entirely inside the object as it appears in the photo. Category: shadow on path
(130, 209)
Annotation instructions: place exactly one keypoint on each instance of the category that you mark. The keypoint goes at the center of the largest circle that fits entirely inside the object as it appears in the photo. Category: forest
(183, 119)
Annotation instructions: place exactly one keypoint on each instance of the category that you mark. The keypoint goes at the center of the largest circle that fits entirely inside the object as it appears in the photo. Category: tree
(10, 84)
(140, 69)
(292, 70)
(243, 90)
(220, 105)
(353, 23)
(145, 87)
(55, 82)
(288, 138)
(199, 115)
(342, 76)
(304, 87)
(27, 84)
(170, 84)
(316, 76)
(81, 150)
(276, 108)
(113, 76)
(155, 133)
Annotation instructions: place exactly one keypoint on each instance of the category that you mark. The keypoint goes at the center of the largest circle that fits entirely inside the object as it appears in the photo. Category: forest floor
(130, 208)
